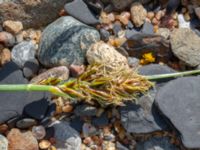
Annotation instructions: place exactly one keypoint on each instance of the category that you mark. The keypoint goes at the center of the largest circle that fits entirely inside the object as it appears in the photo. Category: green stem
(32, 87)
(172, 75)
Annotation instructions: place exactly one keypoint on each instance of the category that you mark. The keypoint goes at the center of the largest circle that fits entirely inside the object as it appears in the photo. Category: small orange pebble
(67, 108)
(62, 13)
(155, 28)
(3, 128)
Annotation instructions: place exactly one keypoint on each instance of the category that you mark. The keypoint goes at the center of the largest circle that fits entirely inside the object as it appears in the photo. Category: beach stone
(138, 14)
(101, 52)
(3, 143)
(13, 27)
(121, 4)
(66, 137)
(26, 123)
(23, 52)
(61, 72)
(21, 140)
(179, 102)
(101, 120)
(143, 116)
(165, 32)
(104, 34)
(5, 56)
(185, 45)
(197, 12)
(65, 42)
(147, 28)
(79, 10)
(85, 110)
(32, 14)
(31, 68)
(11, 74)
(156, 143)
(77, 123)
(7, 39)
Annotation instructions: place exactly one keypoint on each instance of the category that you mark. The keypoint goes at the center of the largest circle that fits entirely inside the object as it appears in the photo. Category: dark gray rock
(26, 123)
(85, 110)
(147, 28)
(77, 123)
(130, 25)
(104, 35)
(66, 137)
(12, 104)
(3, 143)
(156, 143)
(65, 42)
(143, 116)
(31, 68)
(116, 28)
(121, 4)
(79, 10)
(100, 121)
(37, 109)
(23, 52)
(95, 6)
(179, 101)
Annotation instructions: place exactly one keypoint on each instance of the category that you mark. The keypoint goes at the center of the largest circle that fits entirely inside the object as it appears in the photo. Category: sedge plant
(99, 83)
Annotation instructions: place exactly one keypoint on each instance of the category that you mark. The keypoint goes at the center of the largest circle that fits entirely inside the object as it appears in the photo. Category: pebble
(23, 52)
(26, 123)
(3, 128)
(104, 35)
(185, 45)
(101, 52)
(150, 15)
(197, 12)
(65, 42)
(61, 72)
(107, 18)
(66, 137)
(21, 140)
(88, 130)
(138, 14)
(158, 143)
(44, 144)
(7, 39)
(77, 123)
(3, 143)
(85, 110)
(32, 34)
(124, 17)
(165, 32)
(76, 70)
(31, 68)
(5, 56)
(101, 120)
(13, 27)
(79, 10)
(67, 108)
(147, 28)
(182, 23)
(121, 4)
(39, 132)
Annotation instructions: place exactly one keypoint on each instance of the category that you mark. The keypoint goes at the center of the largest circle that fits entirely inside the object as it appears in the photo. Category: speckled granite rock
(65, 41)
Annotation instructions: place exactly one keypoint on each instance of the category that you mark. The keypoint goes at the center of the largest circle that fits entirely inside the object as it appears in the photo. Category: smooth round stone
(23, 52)
(39, 132)
(65, 42)
(3, 143)
(30, 68)
(26, 123)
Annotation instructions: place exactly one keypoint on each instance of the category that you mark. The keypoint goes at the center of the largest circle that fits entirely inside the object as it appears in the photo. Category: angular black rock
(144, 117)
(79, 10)
(30, 68)
(12, 103)
(77, 124)
(85, 110)
(179, 102)
(100, 121)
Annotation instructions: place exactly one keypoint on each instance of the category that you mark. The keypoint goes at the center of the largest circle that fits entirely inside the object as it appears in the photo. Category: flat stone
(79, 10)
(11, 74)
(3, 143)
(33, 14)
(156, 143)
(26, 123)
(23, 52)
(185, 45)
(143, 116)
(66, 137)
(179, 102)
(147, 28)
(7, 39)
(61, 72)
(85, 110)
(21, 140)
(65, 42)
